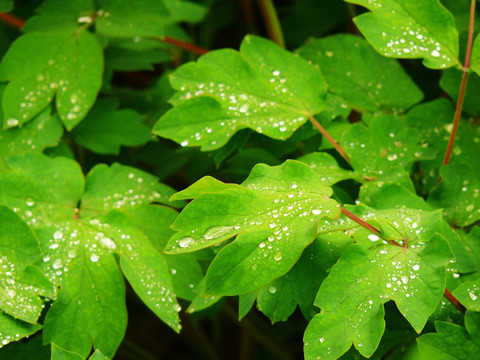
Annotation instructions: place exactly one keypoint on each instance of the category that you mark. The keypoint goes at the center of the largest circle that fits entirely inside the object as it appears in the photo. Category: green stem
(271, 21)
(463, 84)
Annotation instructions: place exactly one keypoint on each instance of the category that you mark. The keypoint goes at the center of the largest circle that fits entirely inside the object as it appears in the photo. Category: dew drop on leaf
(272, 290)
(94, 257)
(216, 232)
(186, 242)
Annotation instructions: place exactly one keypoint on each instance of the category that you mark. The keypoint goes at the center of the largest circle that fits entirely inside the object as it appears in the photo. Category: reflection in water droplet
(217, 231)
(186, 242)
(278, 256)
(272, 290)
(94, 257)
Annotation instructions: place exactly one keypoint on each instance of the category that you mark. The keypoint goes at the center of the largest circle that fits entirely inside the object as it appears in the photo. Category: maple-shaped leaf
(65, 64)
(262, 87)
(21, 283)
(372, 272)
(274, 212)
(12, 329)
(385, 144)
(106, 128)
(43, 131)
(458, 195)
(347, 62)
(452, 341)
(78, 244)
(410, 29)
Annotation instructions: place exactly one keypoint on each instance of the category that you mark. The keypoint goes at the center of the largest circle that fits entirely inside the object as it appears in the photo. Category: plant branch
(184, 45)
(360, 221)
(463, 84)
(330, 139)
(449, 296)
(12, 20)
(272, 23)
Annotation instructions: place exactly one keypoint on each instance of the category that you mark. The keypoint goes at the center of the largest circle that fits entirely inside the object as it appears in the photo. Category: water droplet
(12, 122)
(472, 296)
(57, 235)
(217, 231)
(272, 290)
(94, 257)
(322, 339)
(57, 264)
(416, 267)
(277, 256)
(316, 212)
(391, 157)
(373, 237)
(186, 242)
(108, 243)
(177, 307)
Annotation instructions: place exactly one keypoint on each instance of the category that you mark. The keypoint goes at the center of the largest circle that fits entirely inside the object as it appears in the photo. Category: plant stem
(330, 139)
(271, 21)
(12, 20)
(449, 296)
(463, 84)
(184, 45)
(360, 221)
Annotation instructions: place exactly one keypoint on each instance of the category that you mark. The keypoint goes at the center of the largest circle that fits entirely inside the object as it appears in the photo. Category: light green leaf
(60, 15)
(125, 19)
(410, 29)
(106, 128)
(275, 214)
(262, 87)
(43, 131)
(327, 167)
(450, 342)
(12, 329)
(385, 144)
(202, 186)
(120, 186)
(475, 59)
(66, 64)
(458, 195)
(97, 355)
(184, 11)
(61, 354)
(44, 189)
(468, 294)
(145, 268)
(347, 61)
(352, 297)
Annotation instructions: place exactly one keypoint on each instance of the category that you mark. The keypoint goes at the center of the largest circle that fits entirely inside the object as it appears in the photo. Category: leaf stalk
(272, 23)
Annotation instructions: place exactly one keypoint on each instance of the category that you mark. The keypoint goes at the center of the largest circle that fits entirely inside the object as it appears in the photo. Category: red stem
(330, 139)
(184, 45)
(360, 221)
(449, 296)
(463, 85)
(18, 23)
(12, 20)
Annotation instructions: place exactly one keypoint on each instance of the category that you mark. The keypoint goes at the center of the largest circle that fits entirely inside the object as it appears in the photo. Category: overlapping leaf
(347, 62)
(458, 195)
(414, 279)
(452, 341)
(106, 128)
(274, 213)
(66, 64)
(78, 246)
(12, 329)
(262, 87)
(410, 29)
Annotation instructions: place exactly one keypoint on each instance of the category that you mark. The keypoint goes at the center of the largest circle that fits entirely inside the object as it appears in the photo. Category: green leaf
(391, 195)
(61, 354)
(66, 64)
(6, 6)
(451, 341)
(97, 355)
(262, 87)
(106, 128)
(347, 62)
(43, 131)
(385, 144)
(468, 294)
(31, 349)
(275, 212)
(458, 195)
(327, 167)
(44, 189)
(118, 186)
(60, 15)
(124, 19)
(12, 329)
(475, 59)
(410, 29)
(352, 297)
(184, 11)
(145, 268)
(90, 306)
